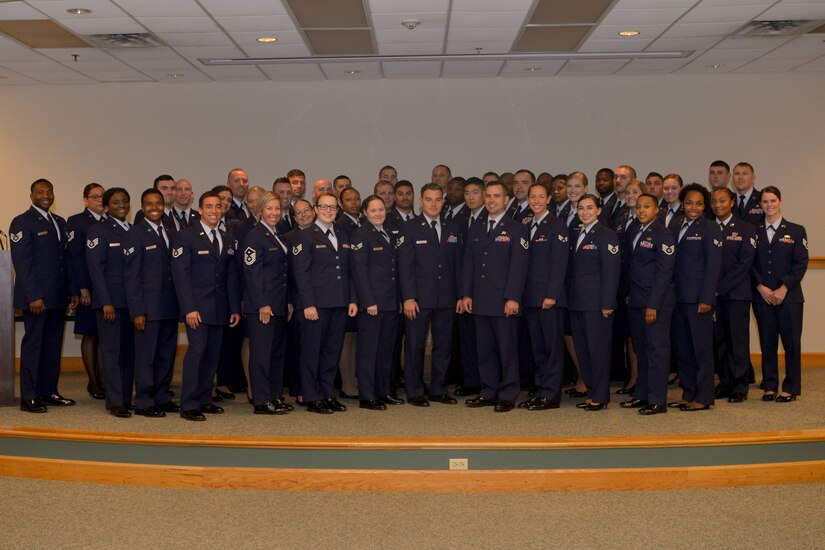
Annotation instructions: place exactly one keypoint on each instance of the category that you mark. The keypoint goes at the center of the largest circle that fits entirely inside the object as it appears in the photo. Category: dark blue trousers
(199, 365)
(292, 361)
(652, 344)
(732, 343)
(775, 322)
(321, 343)
(547, 338)
(374, 353)
(117, 357)
(592, 334)
(496, 345)
(693, 352)
(442, 321)
(40, 353)
(155, 349)
(468, 350)
(266, 357)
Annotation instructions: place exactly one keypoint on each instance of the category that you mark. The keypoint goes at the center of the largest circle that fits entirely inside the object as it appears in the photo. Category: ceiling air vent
(130, 40)
(778, 28)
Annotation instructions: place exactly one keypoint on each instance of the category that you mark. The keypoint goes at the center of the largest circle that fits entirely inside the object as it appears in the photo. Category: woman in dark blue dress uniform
(781, 262)
(84, 317)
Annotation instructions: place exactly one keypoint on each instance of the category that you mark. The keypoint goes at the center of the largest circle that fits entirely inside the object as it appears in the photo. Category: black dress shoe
(531, 393)
(129, 406)
(595, 406)
(319, 407)
(170, 407)
(343, 395)
(582, 405)
(95, 392)
(577, 394)
(467, 390)
(194, 415)
(525, 404)
(626, 390)
(269, 408)
(736, 397)
(768, 396)
(57, 400)
(216, 398)
(419, 401)
(390, 400)
(722, 393)
(690, 408)
(211, 408)
(649, 410)
(225, 394)
(634, 403)
(372, 404)
(32, 406)
(150, 412)
(542, 404)
(479, 402)
(120, 412)
(335, 405)
(445, 399)
(284, 404)
(503, 406)
(785, 398)
(676, 404)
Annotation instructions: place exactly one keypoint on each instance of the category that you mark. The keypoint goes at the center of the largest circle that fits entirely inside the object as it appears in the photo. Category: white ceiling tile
(277, 50)
(176, 39)
(244, 7)
(190, 75)
(206, 51)
(241, 72)
(770, 65)
(618, 45)
(118, 76)
(725, 14)
(800, 47)
(65, 54)
(592, 66)
(500, 34)
(660, 66)
(403, 6)
(486, 67)
(57, 9)
(492, 5)
(20, 55)
(402, 36)
(412, 69)
(695, 30)
(58, 76)
(486, 47)
(10, 44)
(719, 3)
(753, 42)
(392, 21)
(519, 67)
(815, 66)
(18, 11)
(487, 19)
(251, 39)
(794, 10)
(262, 23)
(310, 71)
(170, 66)
(115, 25)
(180, 24)
(612, 31)
(11, 77)
(145, 54)
(653, 4)
(165, 8)
(427, 48)
(340, 71)
(676, 44)
(647, 16)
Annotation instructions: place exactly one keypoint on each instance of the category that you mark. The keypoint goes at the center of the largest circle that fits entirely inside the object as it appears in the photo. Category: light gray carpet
(445, 420)
(49, 514)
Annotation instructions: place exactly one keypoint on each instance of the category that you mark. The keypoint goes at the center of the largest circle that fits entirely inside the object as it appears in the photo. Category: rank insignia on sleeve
(753, 242)
(356, 246)
(128, 251)
(16, 237)
(70, 236)
(92, 243)
(563, 238)
(805, 243)
(669, 250)
(613, 248)
(717, 243)
(177, 252)
(525, 244)
(249, 256)
(297, 249)
(400, 240)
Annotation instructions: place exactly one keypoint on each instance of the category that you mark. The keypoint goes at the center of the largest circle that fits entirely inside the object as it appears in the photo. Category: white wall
(126, 134)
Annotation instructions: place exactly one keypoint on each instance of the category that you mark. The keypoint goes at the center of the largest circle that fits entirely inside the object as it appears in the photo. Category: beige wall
(126, 134)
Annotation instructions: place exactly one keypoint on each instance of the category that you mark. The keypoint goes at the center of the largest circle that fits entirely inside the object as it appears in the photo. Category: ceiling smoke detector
(410, 23)
(129, 40)
(778, 28)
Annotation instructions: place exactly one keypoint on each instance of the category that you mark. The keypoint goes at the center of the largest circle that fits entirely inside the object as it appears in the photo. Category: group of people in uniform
(515, 279)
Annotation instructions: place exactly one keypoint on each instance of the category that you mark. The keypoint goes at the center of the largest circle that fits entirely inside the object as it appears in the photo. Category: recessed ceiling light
(716, 66)
(352, 72)
(267, 39)
(532, 69)
(78, 11)
(629, 33)
(174, 75)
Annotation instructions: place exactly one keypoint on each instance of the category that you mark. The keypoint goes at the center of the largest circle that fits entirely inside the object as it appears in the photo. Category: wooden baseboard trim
(416, 481)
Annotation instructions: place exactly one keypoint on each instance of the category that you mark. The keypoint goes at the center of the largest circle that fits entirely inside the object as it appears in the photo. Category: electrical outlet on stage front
(459, 464)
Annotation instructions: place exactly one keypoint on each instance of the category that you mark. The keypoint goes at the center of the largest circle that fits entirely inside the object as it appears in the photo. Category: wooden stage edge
(809, 360)
(415, 481)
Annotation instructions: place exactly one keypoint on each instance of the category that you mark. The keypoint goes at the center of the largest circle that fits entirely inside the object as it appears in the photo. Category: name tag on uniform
(41, 233)
(421, 242)
(273, 248)
(151, 247)
(203, 252)
(320, 246)
(377, 248)
(112, 245)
